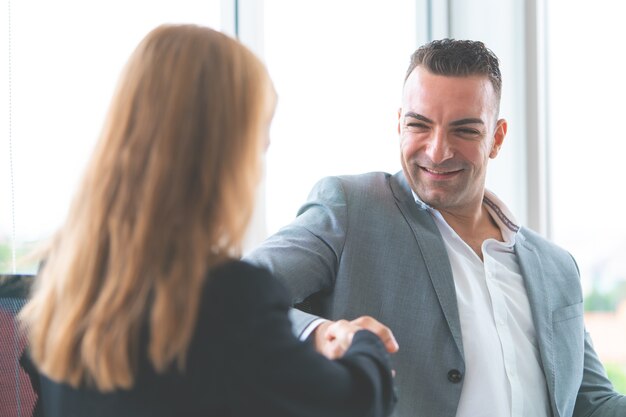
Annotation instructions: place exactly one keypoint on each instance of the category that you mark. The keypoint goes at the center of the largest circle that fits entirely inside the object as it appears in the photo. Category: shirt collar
(498, 210)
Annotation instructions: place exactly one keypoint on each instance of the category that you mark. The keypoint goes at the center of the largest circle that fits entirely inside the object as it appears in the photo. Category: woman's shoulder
(239, 268)
(240, 273)
(246, 284)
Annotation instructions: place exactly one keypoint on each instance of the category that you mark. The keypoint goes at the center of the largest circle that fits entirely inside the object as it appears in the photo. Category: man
(488, 315)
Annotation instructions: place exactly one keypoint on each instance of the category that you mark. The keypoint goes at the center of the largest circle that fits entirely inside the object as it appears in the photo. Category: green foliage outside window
(23, 264)
(5, 258)
(617, 375)
(606, 300)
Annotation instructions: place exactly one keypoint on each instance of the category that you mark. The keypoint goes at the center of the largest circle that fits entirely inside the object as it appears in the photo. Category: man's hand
(380, 330)
(332, 339)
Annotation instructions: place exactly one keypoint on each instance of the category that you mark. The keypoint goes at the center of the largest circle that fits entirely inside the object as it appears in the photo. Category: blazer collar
(540, 306)
(433, 251)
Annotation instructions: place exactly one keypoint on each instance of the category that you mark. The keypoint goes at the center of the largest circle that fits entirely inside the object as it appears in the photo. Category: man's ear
(399, 115)
(498, 138)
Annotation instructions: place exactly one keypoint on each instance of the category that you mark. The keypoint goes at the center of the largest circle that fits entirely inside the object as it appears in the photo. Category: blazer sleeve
(304, 255)
(272, 373)
(596, 396)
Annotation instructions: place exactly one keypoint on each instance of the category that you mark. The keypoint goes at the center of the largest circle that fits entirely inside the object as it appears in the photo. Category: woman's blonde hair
(167, 195)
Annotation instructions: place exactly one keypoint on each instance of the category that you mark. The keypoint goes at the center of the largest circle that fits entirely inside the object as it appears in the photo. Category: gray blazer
(362, 246)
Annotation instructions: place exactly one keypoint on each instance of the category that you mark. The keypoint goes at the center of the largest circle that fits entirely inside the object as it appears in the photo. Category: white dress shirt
(503, 373)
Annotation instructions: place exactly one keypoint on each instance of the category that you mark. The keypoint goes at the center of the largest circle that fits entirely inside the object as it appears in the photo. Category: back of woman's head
(182, 139)
(167, 195)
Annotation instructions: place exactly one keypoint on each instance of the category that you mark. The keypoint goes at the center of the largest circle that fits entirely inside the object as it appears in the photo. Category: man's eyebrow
(467, 121)
(417, 116)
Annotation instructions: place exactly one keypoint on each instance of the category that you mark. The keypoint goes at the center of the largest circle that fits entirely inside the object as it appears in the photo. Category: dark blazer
(244, 361)
(361, 245)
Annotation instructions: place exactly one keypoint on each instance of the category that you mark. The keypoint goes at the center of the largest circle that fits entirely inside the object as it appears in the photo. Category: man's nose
(438, 148)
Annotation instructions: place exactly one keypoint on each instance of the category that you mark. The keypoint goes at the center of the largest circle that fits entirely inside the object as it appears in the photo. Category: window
(65, 57)
(339, 76)
(586, 86)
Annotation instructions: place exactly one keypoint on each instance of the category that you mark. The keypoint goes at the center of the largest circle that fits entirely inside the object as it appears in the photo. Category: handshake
(333, 338)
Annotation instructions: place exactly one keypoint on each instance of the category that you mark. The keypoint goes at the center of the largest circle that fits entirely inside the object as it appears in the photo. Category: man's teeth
(433, 171)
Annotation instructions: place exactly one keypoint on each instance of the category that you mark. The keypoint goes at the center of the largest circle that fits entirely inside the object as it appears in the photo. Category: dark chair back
(17, 396)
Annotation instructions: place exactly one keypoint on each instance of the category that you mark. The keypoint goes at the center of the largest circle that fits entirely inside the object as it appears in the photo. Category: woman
(141, 308)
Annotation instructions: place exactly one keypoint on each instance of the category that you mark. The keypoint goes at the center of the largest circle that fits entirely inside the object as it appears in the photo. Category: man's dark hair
(458, 58)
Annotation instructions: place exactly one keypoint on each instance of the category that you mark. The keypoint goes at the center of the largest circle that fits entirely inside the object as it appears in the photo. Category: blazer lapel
(433, 251)
(532, 272)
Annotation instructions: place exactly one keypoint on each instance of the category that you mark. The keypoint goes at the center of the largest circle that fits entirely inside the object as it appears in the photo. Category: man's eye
(416, 126)
(468, 132)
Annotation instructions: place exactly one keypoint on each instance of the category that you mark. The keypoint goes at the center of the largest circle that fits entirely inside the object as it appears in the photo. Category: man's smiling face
(448, 131)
